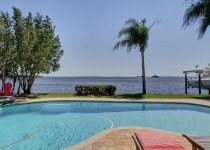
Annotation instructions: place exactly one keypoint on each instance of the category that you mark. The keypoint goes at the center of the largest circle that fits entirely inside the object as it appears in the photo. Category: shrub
(96, 90)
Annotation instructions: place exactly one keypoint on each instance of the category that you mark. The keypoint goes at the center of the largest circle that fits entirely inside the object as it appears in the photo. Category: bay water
(170, 85)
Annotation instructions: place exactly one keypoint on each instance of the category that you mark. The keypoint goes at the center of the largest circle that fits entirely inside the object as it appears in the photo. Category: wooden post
(199, 72)
(185, 82)
(199, 79)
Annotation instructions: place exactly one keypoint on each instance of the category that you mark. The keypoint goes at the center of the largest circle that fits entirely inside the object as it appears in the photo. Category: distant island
(155, 76)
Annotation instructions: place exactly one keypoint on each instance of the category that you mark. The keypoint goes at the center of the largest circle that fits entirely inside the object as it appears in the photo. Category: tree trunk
(18, 90)
(22, 81)
(28, 91)
(14, 82)
(143, 70)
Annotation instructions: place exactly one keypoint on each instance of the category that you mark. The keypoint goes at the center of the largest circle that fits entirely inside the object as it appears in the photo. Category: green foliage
(135, 35)
(6, 45)
(198, 11)
(30, 47)
(96, 90)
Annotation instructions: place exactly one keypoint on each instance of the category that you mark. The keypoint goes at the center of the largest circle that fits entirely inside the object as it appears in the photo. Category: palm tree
(136, 35)
(199, 10)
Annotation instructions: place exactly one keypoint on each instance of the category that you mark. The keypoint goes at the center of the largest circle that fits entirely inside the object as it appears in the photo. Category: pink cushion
(152, 140)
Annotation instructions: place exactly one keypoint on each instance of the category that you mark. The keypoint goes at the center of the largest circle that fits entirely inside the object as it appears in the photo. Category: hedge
(96, 90)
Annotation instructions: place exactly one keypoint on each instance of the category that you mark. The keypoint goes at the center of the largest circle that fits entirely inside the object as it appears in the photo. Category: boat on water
(193, 82)
(155, 76)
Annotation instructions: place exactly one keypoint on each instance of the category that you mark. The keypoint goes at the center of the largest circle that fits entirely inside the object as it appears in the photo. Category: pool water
(56, 125)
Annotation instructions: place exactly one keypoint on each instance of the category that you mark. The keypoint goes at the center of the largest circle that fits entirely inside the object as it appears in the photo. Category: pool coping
(200, 102)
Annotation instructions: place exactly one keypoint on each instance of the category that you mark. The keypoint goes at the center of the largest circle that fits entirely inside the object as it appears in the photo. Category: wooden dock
(199, 72)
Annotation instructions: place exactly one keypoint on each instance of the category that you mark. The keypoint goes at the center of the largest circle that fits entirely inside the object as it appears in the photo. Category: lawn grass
(51, 95)
(163, 96)
(133, 95)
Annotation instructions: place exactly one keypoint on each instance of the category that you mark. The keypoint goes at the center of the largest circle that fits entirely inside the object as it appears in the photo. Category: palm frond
(203, 26)
(117, 45)
(131, 46)
(132, 22)
(191, 15)
(121, 43)
(134, 35)
(124, 31)
(198, 11)
(131, 33)
(156, 21)
(143, 35)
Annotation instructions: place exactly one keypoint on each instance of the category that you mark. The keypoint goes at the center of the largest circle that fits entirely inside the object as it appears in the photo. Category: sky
(88, 31)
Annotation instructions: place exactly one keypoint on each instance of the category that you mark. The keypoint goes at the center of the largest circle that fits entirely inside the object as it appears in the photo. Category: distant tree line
(28, 47)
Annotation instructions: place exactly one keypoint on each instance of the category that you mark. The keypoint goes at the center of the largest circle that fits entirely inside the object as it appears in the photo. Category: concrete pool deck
(204, 102)
(120, 138)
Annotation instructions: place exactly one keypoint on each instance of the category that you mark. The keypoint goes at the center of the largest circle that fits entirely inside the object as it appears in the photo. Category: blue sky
(88, 31)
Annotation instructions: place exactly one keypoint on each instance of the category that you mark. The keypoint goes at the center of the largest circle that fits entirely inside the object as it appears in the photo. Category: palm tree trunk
(143, 70)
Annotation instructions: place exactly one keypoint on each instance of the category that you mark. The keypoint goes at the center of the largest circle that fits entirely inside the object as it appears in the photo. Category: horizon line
(108, 76)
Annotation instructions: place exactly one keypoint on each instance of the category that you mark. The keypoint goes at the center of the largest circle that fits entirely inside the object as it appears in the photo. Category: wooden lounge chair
(199, 142)
(153, 140)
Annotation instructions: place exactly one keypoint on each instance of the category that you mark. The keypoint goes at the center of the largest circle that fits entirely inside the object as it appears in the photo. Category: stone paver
(122, 140)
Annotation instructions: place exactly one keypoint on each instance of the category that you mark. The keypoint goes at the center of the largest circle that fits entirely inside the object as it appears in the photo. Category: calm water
(54, 126)
(123, 84)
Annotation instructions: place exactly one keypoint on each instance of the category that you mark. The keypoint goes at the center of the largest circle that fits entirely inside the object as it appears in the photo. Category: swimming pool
(56, 125)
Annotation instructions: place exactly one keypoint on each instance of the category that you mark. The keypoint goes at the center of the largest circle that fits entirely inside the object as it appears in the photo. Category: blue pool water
(56, 125)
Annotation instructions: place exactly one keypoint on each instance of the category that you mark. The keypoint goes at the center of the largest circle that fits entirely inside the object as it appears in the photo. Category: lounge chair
(199, 142)
(6, 90)
(153, 140)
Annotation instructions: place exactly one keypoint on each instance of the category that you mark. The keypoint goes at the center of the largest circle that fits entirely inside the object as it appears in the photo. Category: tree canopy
(135, 34)
(30, 45)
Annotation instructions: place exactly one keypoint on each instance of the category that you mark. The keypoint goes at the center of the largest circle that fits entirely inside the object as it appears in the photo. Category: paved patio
(120, 139)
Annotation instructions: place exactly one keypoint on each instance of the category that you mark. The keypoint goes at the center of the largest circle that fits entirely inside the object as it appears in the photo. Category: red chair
(154, 140)
(7, 89)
